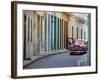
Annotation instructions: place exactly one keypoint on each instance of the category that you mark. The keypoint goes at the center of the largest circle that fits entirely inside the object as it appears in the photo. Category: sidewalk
(42, 55)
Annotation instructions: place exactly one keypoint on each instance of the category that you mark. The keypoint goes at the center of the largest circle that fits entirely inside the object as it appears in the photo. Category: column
(38, 34)
(43, 31)
(46, 32)
(62, 34)
(59, 34)
(49, 33)
(52, 32)
(55, 32)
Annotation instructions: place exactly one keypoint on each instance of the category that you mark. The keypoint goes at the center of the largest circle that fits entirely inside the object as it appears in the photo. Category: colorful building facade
(48, 31)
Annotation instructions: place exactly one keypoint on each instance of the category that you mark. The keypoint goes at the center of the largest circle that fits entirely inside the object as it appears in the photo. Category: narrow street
(60, 60)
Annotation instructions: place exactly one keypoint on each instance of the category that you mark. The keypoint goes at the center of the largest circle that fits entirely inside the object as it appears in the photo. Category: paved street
(60, 60)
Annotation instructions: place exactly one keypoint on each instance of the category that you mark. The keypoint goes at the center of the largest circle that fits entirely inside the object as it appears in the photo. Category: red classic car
(78, 47)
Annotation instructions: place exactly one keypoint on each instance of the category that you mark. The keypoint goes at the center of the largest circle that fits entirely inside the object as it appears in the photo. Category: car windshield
(77, 42)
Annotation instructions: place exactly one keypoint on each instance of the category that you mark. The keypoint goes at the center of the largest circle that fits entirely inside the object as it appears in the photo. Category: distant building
(78, 27)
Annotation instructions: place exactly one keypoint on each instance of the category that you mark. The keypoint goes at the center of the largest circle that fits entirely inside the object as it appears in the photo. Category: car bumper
(78, 51)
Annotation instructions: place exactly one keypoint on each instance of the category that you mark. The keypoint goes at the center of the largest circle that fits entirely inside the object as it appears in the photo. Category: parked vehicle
(78, 47)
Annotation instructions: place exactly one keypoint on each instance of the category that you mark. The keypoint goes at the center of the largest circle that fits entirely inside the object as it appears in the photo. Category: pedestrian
(70, 42)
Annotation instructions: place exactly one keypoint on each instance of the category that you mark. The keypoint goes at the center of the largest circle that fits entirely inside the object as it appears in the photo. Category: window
(81, 34)
(28, 27)
(41, 26)
(31, 30)
(72, 31)
(77, 32)
(84, 35)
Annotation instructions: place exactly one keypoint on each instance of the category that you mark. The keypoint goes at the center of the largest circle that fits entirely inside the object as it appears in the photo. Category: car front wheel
(72, 53)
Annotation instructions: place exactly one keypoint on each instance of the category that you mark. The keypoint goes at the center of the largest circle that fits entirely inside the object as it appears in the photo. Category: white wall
(5, 43)
(75, 23)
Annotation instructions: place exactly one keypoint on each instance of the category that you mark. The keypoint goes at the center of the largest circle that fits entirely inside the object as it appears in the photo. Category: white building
(78, 27)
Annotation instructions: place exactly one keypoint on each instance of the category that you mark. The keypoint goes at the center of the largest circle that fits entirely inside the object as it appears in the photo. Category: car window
(77, 42)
